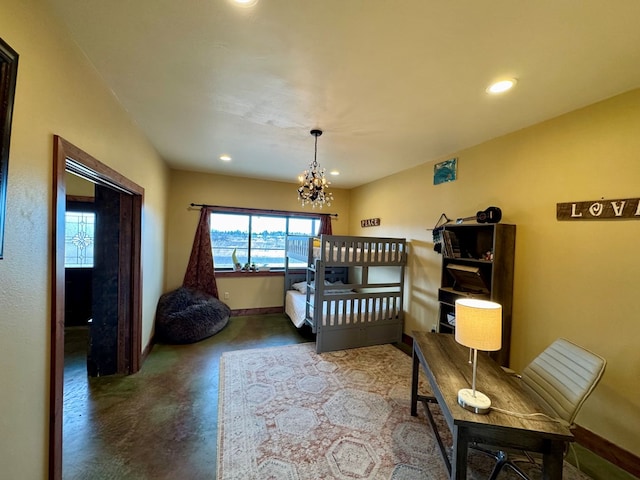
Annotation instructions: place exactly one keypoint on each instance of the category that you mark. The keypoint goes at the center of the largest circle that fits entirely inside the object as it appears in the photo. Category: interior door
(109, 341)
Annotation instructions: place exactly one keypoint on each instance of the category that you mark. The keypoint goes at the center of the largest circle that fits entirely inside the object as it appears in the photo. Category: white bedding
(335, 312)
(294, 307)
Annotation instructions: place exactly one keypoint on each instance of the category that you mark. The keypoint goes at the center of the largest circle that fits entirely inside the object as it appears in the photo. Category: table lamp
(479, 327)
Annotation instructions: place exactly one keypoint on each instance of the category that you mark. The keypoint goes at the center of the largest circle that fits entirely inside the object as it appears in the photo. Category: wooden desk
(446, 364)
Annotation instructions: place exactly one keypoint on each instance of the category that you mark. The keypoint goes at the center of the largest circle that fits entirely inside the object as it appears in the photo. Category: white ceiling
(393, 83)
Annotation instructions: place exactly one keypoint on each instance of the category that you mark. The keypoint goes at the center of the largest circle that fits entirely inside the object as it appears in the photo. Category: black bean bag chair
(185, 315)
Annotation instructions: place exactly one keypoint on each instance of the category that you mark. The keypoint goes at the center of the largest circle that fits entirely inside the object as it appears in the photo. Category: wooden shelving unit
(482, 259)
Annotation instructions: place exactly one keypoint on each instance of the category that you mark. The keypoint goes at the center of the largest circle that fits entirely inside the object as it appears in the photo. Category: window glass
(78, 239)
(268, 239)
(256, 239)
(229, 239)
(303, 226)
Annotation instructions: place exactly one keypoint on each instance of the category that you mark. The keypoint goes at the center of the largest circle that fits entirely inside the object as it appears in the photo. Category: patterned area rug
(287, 413)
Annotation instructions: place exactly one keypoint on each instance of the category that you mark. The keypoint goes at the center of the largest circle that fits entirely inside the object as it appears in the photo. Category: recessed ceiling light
(334, 172)
(501, 86)
(244, 3)
(225, 158)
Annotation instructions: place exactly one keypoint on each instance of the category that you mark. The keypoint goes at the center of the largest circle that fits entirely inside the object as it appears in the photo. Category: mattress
(337, 312)
(294, 307)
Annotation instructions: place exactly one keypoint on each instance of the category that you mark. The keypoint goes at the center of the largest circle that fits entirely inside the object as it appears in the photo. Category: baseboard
(607, 450)
(589, 440)
(256, 311)
(147, 350)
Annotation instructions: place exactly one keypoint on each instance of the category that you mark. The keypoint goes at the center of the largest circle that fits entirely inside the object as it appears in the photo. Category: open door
(109, 342)
(117, 279)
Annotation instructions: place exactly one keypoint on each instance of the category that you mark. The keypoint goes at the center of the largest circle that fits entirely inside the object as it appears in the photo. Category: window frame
(81, 204)
(225, 272)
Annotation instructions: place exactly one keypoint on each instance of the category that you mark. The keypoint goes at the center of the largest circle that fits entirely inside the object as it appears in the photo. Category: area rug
(288, 413)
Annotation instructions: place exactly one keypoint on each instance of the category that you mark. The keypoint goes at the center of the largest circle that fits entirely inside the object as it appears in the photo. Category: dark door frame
(68, 157)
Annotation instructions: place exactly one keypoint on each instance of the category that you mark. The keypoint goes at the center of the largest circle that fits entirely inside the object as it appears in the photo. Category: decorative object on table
(186, 315)
(8, 78)
(234, 259)
(313, 183)
(489, 215)
(479, 327)
(625, 208)
(446, 171)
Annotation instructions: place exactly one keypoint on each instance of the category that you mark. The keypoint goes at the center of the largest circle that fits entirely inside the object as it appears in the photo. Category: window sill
(270, 273)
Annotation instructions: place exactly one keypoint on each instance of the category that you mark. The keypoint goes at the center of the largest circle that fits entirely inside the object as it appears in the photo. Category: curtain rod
(204, 205)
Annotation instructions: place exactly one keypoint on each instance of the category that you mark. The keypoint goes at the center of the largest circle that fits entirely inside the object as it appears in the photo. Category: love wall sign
(599, 209)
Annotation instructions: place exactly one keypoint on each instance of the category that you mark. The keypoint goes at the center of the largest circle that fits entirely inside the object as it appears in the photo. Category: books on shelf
(451, 245)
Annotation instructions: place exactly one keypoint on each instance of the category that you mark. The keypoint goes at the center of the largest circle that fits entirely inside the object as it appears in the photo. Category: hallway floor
(161, 423)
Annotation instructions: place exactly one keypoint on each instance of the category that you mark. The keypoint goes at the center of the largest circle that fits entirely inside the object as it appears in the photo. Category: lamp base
(478, 403)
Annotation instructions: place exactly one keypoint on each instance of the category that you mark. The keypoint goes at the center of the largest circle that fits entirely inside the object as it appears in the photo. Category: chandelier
(313, 184)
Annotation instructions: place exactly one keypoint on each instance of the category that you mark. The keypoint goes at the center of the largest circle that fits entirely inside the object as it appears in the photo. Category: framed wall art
(445, 171)
(8, 77)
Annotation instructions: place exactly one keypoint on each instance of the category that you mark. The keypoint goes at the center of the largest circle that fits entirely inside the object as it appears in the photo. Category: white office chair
(561, 378)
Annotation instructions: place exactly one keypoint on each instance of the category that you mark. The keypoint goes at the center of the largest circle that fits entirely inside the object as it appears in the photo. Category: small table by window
(446, 365)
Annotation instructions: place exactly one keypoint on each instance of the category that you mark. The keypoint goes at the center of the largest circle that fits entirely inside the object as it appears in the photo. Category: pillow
(337, 287)
(300, 286)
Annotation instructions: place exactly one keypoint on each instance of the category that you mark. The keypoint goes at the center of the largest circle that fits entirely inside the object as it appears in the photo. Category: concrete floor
(161, 423)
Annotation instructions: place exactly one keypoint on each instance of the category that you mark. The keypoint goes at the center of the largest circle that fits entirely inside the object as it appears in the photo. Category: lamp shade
(479, 324)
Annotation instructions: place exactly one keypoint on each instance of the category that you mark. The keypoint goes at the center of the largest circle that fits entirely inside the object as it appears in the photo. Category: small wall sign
(599, 209)
(370, 222)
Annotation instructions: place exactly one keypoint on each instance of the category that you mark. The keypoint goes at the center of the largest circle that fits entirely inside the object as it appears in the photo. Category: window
(256, 238)
(78, 239)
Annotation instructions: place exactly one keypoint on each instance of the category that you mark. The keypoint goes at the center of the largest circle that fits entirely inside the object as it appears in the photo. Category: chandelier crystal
(313, 183)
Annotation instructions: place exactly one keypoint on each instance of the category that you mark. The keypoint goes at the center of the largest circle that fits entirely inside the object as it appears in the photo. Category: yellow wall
(58, 92)
(78, 186)
(576, 280)
(191, 187)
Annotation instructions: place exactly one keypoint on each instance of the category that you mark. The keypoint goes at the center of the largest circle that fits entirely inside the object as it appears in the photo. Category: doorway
(115, 344)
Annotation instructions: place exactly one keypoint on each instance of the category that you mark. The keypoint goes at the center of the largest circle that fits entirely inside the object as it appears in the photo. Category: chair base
(503, 460)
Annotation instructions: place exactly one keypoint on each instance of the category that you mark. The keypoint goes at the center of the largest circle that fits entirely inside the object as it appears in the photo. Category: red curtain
(325, 225)
(200, 272)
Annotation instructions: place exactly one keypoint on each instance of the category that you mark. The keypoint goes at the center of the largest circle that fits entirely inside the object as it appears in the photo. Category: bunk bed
(348, 289)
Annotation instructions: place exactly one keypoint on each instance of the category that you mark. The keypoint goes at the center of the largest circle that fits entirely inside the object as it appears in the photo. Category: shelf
(470, 260)
(495, 276)
(449, 295)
